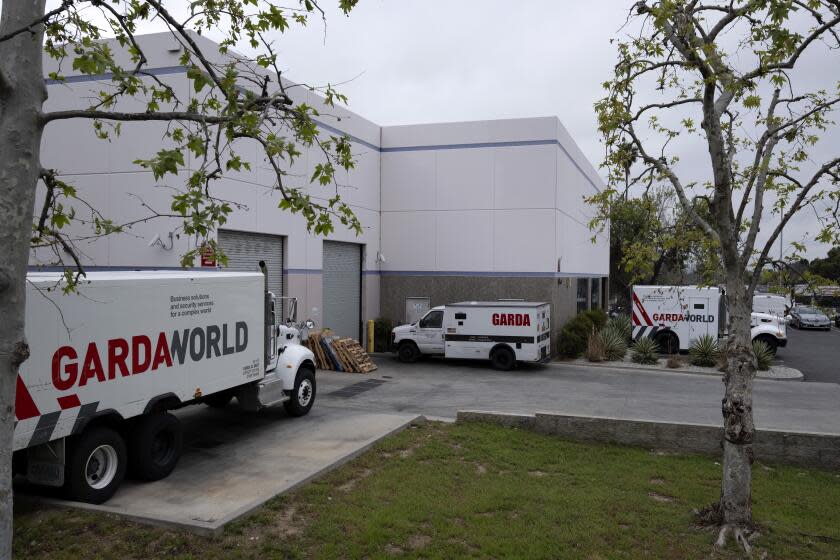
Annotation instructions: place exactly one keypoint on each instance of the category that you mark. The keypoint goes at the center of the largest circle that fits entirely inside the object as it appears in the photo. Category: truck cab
(424, 336)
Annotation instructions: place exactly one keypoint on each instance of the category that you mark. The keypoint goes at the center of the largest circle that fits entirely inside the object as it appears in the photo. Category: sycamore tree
(234, 100)
(722, 82)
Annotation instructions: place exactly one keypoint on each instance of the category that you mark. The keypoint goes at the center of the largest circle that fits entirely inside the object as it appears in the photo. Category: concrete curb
(216, 527)
(795, 374)
(794, 448)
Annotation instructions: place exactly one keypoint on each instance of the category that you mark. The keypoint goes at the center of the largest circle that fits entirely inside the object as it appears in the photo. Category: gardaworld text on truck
(110, 361)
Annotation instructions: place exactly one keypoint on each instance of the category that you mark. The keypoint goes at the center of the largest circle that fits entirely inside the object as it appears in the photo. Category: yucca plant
(704, 351)
(615, 343)
(622, 324)
(763, 355)
(645, 351)
(595, 351)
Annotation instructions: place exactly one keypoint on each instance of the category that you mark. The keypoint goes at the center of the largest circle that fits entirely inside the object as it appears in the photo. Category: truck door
(699, 310)
(430, 333)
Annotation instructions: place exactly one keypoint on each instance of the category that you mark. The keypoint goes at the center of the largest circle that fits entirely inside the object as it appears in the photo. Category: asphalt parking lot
(815, 353)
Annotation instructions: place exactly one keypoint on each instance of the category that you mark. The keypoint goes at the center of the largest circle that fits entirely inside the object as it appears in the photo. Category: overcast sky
(421, 61)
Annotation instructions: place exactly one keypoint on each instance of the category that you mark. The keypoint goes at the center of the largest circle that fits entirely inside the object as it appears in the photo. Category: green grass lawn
(480, 491)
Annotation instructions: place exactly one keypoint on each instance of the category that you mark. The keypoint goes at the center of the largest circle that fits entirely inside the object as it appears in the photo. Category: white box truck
(504, 332)
(676, 316)
(109, 362)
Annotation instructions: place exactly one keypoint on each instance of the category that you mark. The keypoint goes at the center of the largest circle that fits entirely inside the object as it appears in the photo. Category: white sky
(419, 61)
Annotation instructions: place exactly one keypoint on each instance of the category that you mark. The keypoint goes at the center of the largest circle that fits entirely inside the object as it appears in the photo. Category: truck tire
(408, 352)
(669, 342)
(303, 395)
(155, 445)
(96, 466)
(770, 341)
(503, 359)
(218, 400)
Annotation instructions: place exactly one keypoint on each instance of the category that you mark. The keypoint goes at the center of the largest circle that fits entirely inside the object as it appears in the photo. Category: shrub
(597, 316)
(622, 324)
(574, 336)
(381, 334)
(645, 351)
(704, 351)
(595, 351)
(615, 343)
(763, 355)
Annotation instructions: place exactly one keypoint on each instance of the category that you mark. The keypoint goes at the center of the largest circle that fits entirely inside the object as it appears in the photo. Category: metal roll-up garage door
(245, 250)
(342, 287)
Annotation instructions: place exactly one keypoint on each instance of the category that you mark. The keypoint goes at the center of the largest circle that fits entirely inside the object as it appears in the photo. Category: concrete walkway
(234, 461)
(437, 387)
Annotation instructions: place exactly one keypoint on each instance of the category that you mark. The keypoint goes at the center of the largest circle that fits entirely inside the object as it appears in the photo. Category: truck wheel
(96, 467)
(770, 341)
(502, 359)
(155, 446)
(408, 352)
(219, 400)
(303, 395)
(668, 343)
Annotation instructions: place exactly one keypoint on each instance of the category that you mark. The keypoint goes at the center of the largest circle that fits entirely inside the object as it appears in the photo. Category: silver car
(804, 317)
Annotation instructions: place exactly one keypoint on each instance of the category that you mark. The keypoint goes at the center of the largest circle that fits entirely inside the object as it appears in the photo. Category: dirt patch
(393, 550)
(481, 469)
(350, 484)
(538, 474)
(661, 497)
(657, 480)
(419, 542)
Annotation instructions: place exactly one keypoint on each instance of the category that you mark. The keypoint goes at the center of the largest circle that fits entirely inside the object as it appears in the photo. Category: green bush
(763, 355)
(382, 334)
(614, 343)
(704, 351)
(622, 324)
(574, 336)
(645, 351)
(598, 318)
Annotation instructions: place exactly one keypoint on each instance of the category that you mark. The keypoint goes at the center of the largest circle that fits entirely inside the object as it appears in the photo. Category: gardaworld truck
(504, 332)
(676, 316)
(111, 361)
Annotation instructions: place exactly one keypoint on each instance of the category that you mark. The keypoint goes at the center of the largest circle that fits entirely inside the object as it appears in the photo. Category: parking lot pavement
(815, 353)
(438, 387)
(235, 461)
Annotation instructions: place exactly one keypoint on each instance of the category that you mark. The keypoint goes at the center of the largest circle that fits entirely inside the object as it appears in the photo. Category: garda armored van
(676, 316)
(110, 361)
(504, 332)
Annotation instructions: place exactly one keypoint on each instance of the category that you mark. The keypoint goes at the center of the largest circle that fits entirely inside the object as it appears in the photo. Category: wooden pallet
(353, 356)
(339, 354)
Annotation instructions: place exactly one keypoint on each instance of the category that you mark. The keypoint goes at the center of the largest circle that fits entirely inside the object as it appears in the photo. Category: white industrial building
(451, 211)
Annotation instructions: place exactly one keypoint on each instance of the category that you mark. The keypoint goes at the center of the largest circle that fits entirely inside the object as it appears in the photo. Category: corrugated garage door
(245, 250)
(342, 288)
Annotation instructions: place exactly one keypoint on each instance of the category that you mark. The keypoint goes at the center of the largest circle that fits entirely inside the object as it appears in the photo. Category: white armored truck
(676, 316)
(504, 332)
(109, 362)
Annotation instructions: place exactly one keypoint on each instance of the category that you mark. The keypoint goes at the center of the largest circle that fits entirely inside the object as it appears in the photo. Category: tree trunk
(735, 507)
(22, 93)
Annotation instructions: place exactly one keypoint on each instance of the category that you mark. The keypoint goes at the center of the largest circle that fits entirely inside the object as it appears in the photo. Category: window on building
(582, 294)
(595, 287)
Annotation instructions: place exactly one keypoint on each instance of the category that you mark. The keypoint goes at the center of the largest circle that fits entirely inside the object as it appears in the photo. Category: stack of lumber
(338, 353)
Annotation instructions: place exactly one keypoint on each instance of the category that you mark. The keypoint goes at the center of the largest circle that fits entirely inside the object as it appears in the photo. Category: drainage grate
(356, 388)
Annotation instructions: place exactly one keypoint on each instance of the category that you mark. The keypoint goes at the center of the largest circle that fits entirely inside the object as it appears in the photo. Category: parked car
(805, 317)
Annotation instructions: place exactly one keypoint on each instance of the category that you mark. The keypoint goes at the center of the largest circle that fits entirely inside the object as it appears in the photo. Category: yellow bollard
(370, 335)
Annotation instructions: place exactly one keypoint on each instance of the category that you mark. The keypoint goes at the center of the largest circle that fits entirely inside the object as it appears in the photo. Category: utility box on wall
(416, 307)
